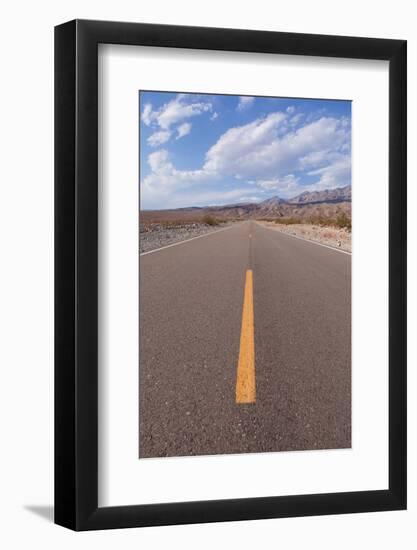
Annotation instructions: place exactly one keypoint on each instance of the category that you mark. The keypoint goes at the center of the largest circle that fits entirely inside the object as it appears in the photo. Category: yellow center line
(245, 382)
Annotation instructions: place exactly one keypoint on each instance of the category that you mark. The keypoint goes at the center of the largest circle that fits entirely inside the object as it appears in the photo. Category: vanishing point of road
(245, 345)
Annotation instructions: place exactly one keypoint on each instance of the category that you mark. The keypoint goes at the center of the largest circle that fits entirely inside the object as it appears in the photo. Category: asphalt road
(191, 300)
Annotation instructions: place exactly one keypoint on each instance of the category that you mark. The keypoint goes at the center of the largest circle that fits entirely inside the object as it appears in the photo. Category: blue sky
(200, 150)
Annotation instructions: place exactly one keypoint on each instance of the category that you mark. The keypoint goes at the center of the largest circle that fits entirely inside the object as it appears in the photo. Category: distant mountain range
(308, 201)
(326, 203)
(340, 194)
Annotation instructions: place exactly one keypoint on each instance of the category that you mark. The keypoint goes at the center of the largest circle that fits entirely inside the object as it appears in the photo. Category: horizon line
(244, 202)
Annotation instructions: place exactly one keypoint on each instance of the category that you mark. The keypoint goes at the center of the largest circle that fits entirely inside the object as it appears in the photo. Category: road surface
(245, 345)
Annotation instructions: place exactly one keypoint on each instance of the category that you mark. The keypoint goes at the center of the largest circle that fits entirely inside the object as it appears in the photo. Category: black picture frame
(76, 273)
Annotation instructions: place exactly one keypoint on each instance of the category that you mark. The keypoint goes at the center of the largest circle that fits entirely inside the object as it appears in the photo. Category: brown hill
(340, 194)
(306, 206)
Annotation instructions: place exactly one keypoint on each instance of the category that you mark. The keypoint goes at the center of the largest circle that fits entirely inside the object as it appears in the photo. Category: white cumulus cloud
(335, 174)
(260, 151)
(238, 144)
(164, 175)
(296, 119)
(147, 114)
(244, 102)
(158, 138)
(183, 129)
(174, 111)
(267, 155)
(285, 186)
(173, 188)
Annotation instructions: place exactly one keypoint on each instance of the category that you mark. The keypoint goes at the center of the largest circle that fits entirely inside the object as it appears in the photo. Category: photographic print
(244, 274)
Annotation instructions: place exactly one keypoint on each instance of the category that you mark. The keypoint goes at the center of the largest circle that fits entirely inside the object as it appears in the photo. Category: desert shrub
(209, 220)
(320, 220)
(287, 221)
(344, 221)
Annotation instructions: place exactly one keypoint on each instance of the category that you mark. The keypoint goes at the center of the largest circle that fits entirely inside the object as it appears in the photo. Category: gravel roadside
(330, 236)
(156, 235)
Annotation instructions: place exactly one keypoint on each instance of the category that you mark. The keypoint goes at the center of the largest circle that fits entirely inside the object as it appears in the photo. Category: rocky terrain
(153, 236)
(340, 194)
(328, 203)
(330, 236)
(317, 213)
